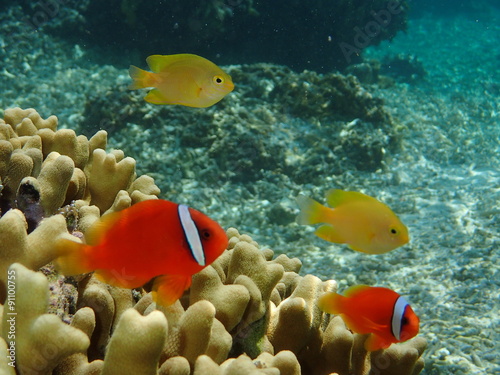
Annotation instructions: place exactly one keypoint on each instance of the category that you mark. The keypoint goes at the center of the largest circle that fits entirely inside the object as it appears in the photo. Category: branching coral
(43, 169)
(195, 341)
(40, 340)
(247, 313)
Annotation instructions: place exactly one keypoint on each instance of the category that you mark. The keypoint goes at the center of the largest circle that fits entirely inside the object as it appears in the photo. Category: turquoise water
(440, 82)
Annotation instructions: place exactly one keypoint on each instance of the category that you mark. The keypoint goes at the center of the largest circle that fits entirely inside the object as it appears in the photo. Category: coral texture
(45, 171)
(247, 313)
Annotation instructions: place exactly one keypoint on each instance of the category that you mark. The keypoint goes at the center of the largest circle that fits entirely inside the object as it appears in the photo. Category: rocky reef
(291, 113)
(248, 313)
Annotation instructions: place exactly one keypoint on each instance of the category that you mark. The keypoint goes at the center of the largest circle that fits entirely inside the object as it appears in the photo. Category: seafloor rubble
(246, 314)
(304, 125)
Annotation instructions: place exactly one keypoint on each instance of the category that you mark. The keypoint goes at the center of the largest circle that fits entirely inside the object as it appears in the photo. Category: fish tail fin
(141, 78)
(72, 257)
(311, 212)
(331, 303)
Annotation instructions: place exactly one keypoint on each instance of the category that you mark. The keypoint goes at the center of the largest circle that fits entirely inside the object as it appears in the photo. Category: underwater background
(405, 108)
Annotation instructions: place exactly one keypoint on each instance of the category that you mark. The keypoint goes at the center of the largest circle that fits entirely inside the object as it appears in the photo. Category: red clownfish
(153, 238)
(376, 310)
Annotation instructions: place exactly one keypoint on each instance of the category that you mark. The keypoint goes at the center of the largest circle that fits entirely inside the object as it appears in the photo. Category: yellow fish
(182, 79)
(360, 221)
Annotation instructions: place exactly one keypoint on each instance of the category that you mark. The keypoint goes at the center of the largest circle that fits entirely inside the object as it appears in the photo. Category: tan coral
(7, 362)
(14, 116)
(180, 366)
(246, 302)
(42, 340)
(50, 163)
(402, 358)
(136, 344)
(33, 250)
(336, 347)
(200, 333)
(230, 301)
(244, 365)
(54, 180)
(66, 142)
(78, 363)
(27, 139)
(198, 337)
(94, 294)
(247, 260)
(285, 361)
(107, 176)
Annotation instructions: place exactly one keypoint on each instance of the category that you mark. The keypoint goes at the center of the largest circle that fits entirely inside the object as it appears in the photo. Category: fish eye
(394, 231)
(404, 321)
(205, 234)
(218, 80)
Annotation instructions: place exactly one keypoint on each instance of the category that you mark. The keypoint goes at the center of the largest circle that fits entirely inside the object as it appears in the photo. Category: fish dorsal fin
(169, 288)
(97, 230)
(337, 197)
(158, 63)
(353, 290)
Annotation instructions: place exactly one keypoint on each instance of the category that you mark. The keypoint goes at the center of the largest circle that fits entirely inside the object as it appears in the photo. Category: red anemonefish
(376, 310)
(153, 238)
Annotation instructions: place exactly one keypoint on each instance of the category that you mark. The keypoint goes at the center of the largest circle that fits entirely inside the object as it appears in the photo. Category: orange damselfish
(183, 79)
(153, 238)
(376, 310)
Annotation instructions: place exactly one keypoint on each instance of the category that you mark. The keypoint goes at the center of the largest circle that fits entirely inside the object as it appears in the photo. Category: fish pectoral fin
(120, 278)
(169, 288)
(156, 97)
(328, 233)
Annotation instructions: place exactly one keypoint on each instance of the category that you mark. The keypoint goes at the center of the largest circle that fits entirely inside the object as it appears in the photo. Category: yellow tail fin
(72, 257)
(331, 303)
(311, 212)
(141, 78)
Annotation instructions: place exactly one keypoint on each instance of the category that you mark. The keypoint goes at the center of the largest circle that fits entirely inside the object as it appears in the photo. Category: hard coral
(273, 326)
(43, 169)
(41, 341)
(247, 313)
